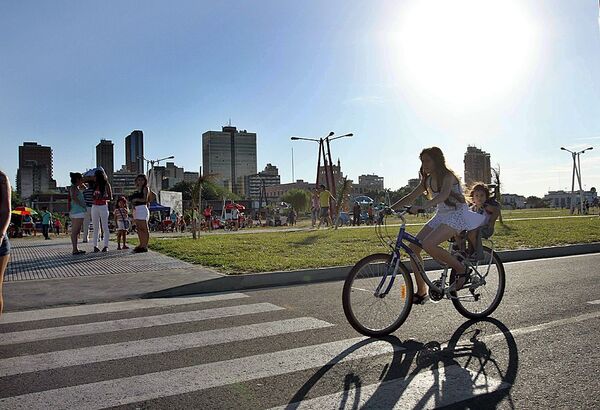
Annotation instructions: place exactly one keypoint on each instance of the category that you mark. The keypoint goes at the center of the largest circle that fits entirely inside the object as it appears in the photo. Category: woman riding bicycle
(442, 188)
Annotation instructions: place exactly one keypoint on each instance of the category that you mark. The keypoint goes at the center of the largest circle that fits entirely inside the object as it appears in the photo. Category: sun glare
(464, 51)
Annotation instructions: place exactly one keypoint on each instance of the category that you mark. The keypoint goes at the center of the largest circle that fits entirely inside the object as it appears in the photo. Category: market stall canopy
(238, 206)
(363, 200)
(156, 207)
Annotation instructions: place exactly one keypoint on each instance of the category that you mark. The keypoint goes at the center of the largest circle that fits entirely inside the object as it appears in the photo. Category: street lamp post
(327, 163)
(575, 155)
(151, 170)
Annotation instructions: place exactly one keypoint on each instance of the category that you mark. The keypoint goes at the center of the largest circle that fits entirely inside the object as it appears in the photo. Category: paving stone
(33, 259)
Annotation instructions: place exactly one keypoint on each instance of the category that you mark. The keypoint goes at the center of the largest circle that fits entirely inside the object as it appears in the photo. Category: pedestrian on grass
(314, 206)
(194, 221)
(5, 195)
(100, 213)
(356, 214)
(141, 213)
(122, 222)
(324, 198)
(292, 217)
(77, 209)
(208, 216)
(46, 221)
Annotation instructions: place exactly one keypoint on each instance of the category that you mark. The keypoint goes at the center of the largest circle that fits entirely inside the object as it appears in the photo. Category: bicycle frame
(395, 262)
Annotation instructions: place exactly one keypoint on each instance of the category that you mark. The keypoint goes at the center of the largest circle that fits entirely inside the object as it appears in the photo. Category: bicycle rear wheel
(481, 297)
(373, 315)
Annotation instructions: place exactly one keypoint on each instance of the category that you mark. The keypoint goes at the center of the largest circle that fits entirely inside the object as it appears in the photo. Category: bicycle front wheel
(368, 313)
(481, 297)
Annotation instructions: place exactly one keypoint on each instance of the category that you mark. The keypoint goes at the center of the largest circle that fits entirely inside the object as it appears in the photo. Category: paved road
(292, 348)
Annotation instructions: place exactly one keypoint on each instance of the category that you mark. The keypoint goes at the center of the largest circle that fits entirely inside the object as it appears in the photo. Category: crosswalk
(213, 351)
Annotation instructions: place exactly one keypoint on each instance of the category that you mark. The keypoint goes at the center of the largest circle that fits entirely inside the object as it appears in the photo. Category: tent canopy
(156, 207)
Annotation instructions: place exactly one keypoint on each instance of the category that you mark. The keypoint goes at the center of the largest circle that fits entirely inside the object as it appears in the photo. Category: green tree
(15, 199)
(298, 198)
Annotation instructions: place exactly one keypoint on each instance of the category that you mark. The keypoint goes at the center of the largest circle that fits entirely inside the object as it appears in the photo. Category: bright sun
(464, 51)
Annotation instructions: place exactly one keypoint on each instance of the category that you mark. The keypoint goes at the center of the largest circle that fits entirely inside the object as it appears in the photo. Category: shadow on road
(463, 372)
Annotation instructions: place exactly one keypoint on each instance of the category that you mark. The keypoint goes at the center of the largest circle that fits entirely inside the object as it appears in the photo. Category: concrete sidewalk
(173, 278)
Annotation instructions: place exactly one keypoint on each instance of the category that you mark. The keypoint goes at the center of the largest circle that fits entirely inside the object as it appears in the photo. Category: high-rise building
(35, 169)
(173, 175)
(268, 177)
(123, 182)
(105, 158)
(134, 152)
(477, 166)
(229, 156)
(190, 176)
(371, 182)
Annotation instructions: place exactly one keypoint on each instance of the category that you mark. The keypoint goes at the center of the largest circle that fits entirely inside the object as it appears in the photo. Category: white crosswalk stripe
(134, 323)
(94, 354)
(197, 371)
(98, 308)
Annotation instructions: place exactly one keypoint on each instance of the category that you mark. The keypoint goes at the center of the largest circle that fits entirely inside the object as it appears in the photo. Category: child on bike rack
(443, 190)
(483, 203)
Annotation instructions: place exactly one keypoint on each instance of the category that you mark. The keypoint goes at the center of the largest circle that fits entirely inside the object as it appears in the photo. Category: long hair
(440, 170)
(145, 178)
(101, 181)
(479, 186)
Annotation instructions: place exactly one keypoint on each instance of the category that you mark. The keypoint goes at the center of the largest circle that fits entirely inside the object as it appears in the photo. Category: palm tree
(496, 172)
(197, 193)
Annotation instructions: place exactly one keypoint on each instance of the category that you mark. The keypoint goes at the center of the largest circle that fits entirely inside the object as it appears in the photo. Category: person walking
(88, 196)
(314, 207)
(46, 220)
(324, 197)
(5, 195)
(102, 195)
(122, 222)
(356, 214)
(77, 209)
(141, 214)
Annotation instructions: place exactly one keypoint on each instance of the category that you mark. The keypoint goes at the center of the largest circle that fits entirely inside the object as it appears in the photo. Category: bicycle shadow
(463, 372)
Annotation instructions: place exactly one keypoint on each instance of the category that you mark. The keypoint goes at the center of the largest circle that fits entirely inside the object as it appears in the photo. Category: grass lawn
(273, 251)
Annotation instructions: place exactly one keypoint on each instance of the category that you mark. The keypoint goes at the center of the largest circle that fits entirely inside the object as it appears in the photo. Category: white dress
(459, 218)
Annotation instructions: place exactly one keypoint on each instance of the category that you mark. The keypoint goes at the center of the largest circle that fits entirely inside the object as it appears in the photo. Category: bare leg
(3, 265)
(421, 284)
(77, 223)
(431, 246)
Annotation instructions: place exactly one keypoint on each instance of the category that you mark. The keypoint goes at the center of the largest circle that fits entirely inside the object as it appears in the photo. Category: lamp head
(331, 133)
(294, 138)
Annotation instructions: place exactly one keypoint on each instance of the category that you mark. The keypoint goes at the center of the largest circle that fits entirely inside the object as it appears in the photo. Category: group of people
(89, 198)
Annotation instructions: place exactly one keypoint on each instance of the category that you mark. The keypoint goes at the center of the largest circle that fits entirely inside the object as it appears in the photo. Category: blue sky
(517, 78)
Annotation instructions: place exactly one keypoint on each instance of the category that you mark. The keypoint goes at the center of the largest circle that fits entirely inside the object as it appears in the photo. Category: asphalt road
(291, 347)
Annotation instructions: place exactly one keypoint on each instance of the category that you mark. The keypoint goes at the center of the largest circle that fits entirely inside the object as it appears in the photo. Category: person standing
(122, 222)
(46, 220)
(194, 221)
(88, 196)
(102, 195)
(5, 195)
(314, 206)
(324, 197)
(370, 214)
(356, 214)
(208, 216)
(57, 226)
(141, 214)
(77, 209)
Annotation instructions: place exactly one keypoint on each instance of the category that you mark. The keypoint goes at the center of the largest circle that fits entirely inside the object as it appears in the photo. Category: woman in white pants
(100, 213)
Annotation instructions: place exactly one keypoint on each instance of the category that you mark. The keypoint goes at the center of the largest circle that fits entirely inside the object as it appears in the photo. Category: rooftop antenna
(230, 121)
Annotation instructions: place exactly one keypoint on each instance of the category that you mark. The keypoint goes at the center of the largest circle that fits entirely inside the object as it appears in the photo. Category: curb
(310, 276)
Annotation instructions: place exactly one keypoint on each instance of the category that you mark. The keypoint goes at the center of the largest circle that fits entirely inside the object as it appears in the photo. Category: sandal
(79, 252)
(420, 299)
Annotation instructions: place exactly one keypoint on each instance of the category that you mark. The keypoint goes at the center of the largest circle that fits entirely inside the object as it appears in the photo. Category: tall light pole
(151, 169)
(576, 172)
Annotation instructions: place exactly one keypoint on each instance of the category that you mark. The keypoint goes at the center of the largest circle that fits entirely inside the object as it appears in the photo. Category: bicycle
(382, 281)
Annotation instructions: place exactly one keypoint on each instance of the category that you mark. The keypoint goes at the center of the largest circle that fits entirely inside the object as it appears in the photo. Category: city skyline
(531, 91)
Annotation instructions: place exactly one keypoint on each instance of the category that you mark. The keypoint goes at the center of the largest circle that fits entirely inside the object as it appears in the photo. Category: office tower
(477, 166)
(105, 158)
(35, 169)
(134, 152)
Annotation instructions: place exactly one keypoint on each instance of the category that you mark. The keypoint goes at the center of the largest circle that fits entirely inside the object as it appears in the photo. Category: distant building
(562, 199)
(123, 182)
(276, 192)
(414, 182)
(514, 201)
(268, 177)
(477, 166)
(173, 175)
(337, 175)
(35, 169)
(189, 176)
(134, 152)
(105, 158)
(370, 183)
(229, 155)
